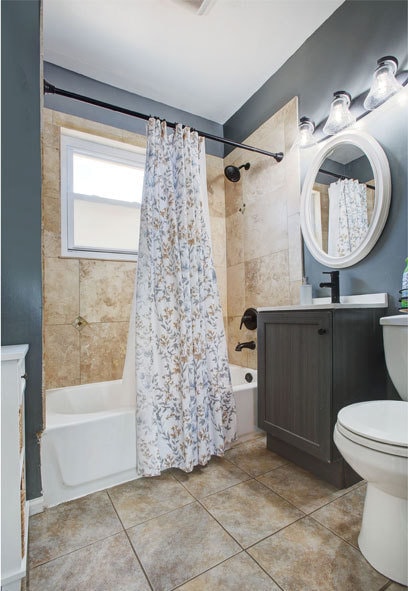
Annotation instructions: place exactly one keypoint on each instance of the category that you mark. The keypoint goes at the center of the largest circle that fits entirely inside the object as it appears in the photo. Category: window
(101, 194)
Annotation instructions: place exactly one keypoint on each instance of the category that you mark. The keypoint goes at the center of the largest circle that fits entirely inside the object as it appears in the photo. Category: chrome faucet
(334, 285)
(247, 345)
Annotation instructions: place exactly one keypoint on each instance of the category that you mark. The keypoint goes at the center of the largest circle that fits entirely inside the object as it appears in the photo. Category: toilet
(373, 438)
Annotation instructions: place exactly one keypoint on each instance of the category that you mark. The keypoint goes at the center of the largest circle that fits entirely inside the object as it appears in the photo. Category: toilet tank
(395, 335)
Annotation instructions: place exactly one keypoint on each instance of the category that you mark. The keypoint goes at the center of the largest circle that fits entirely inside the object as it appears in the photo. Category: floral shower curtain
(348, 221)
(185, 408)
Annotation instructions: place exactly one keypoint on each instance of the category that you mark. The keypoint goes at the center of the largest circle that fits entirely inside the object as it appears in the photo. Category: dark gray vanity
(312, 362)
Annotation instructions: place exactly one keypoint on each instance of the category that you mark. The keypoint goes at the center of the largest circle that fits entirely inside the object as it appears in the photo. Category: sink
(368, 300)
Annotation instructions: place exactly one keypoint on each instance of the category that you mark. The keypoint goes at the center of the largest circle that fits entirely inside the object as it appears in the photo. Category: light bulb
(339, 117)
(306, 129)
(384, 83)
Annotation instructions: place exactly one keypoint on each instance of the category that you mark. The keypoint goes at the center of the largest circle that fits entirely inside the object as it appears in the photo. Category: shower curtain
(348, 221)
(185, 408)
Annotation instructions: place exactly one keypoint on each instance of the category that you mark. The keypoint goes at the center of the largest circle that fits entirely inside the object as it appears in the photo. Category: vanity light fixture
(306, 130)
(339, 116)
(384, 83)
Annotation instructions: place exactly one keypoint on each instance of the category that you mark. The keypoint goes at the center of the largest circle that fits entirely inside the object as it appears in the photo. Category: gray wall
(21, 207)
(79, 84)
(342, 55)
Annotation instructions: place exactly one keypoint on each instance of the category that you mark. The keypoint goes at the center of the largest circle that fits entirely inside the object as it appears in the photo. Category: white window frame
(73, 141)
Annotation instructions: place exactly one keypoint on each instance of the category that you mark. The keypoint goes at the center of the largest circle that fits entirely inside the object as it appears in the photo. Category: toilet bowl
(373, 438)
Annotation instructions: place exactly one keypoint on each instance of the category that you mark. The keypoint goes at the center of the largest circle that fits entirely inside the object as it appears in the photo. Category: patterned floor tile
(144, 498)
(217, 475)
(343, 516)
(239, 573)
(254, 457)
(250, 511)
(108, 564)
(70, 526)
(300, 487)
(306, 556)
(180, 545)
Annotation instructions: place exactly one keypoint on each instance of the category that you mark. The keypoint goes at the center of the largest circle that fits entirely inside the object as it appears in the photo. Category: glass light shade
(339, 117)
(384, 83)
(306, 129)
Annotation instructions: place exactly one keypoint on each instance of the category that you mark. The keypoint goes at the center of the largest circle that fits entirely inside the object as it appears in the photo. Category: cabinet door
(294, 378)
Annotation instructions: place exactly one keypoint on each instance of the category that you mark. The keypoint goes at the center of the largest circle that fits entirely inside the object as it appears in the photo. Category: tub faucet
(334, 285)
(247, 345)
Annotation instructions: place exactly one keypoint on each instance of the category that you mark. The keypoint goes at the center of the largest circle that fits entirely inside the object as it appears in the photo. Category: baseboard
(36, 506)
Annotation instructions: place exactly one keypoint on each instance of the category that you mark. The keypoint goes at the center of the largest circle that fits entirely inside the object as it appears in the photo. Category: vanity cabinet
(312, 363)
(14, 506)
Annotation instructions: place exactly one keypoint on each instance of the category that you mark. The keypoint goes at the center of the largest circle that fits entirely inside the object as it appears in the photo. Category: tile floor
(251, 521)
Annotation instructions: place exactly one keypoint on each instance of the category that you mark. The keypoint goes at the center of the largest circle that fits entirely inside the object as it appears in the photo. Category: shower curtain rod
(51, 89)
(342, 176)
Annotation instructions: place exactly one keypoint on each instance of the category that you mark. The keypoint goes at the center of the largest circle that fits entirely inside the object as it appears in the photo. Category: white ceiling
(207, 64)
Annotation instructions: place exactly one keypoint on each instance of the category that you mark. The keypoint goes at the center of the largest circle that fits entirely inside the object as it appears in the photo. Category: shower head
(232, 172)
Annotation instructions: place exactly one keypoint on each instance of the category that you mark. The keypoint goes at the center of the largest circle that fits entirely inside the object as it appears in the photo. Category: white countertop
(370, 300)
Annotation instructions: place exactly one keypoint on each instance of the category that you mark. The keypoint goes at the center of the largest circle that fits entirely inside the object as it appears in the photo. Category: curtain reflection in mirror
(348, 219)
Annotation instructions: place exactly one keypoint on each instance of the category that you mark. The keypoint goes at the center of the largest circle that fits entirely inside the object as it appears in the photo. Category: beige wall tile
(61, 292)
(234, 197)
(51, 135)
(235, 243)
(218, 238)
(106, 290)
(290, 115)
(46, 117)
(51, 230)
(245, 357)
(61, 356)
(266, 238)
(236, 289)
(259, 246)
(235, 336)
(267, 280)
(292, 181)
(71, 122)
(252, 359)
(134, 139)
(103, 350)
(294, 287)
(265, 224)
(215, 186)
(50, 170)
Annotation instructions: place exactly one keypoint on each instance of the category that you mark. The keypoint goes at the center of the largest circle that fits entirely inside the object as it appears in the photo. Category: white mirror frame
(382, 178)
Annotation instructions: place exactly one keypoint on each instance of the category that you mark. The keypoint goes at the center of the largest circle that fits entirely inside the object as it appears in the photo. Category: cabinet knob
(25, 376)
(322, 331)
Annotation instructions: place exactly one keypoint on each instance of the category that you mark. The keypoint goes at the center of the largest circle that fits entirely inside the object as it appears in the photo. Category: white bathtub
(89, 442)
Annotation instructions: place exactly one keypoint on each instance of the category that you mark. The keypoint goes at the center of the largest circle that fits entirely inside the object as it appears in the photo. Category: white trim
(36, 506)
(99, 147)
(382, 178)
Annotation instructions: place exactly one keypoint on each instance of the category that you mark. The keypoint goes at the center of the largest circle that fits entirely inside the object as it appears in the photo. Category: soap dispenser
(404, 290)
(305, 293)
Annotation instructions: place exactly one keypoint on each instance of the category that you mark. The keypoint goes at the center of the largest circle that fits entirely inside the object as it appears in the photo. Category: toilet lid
(379, 420)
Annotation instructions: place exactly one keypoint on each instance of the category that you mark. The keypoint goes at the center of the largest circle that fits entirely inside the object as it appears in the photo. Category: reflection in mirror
(342, 200)
(345, 199)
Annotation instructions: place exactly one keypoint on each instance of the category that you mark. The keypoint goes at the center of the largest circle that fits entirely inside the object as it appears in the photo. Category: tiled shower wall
(264, 258)
(97, 290)
(257, 251)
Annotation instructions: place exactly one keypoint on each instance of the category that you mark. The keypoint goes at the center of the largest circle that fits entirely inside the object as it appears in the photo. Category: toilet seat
(381, 425)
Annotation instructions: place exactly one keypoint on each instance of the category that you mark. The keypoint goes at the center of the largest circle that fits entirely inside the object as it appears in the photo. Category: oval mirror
(345, 199)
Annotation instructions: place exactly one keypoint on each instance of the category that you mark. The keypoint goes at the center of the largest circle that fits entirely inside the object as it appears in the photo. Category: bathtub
(89, 440)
